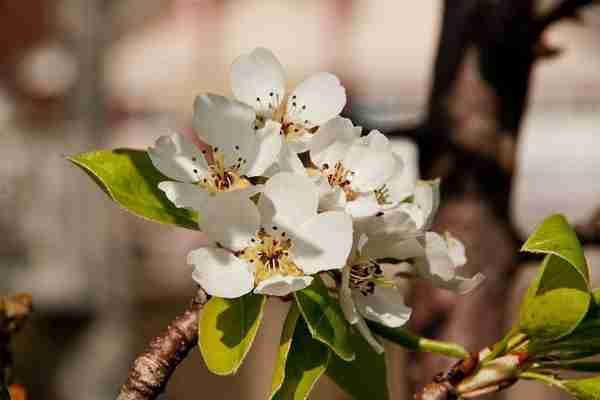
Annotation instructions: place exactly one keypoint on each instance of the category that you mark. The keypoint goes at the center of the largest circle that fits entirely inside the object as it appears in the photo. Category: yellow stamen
(222, 178)
(381, 195)
(340, 176)
(270, 256)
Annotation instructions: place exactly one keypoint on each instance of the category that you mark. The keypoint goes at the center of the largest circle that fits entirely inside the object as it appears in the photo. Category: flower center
(339, 176)
(382, 195)
(288, 113)
(222, 178)
(365, 276)
(270, 256)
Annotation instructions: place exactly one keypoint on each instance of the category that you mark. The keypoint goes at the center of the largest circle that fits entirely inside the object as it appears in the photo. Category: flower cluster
(347, 207)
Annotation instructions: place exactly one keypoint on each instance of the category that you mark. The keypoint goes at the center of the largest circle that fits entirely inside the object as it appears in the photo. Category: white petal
(439, 262)
(278, 285)
(185, 194)
(427, 197)
(456, 250)
(333, 199)
(351, 313)
(288, 200)
(269, 148)
(300, 144)
(393, 247)
(257, 75)
(385, 305)
(365, 205)
(332, 141)
(289, 160)
(178, 158)
(323, 96)
(230, 219)
(323, 243)
(377, 141)
(416, 213)
(371, 167)
(393, 222)
(461, 285)
(220, 273)
(346, 300)
(402, 184)
(228, 126)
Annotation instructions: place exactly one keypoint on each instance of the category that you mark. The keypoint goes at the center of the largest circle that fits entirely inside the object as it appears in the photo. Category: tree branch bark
(565, 9)
(479, 94)
(14, 312)
(152, 370)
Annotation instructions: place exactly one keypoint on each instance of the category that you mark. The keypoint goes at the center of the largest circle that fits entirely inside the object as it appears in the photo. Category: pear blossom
(235, 152)
(403, 234)
(444, 255)
(368, 291)
(258, 79)
(409, 219)
(272, 247)
(369, 288)
(361, 175)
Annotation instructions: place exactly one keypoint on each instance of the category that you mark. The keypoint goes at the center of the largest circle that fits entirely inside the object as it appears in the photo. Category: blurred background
(81, 75)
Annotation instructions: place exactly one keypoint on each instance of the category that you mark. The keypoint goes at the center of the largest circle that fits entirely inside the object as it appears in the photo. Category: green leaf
(556, 303)
(227, 329)
(363, 378)
(579, 366)
(583, 342)
(596, 295)
(411, 341)
(285, 343)
(559, 298)
(325, 319)
(128, 177)
(556, 236)
(584, 389)
(306, 362)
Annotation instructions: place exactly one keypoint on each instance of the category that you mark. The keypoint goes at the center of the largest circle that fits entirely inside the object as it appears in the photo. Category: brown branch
(14, 312)
(478, 96)
(443, 385)
(589, 232)
(565, 9)
(152, 370)
(468, 378)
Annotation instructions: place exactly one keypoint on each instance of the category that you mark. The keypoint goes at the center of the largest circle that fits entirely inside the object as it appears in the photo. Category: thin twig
(565, 9)
(443, 385)
(152, 370)
(589, 232)
(472, 377)
(14, 312)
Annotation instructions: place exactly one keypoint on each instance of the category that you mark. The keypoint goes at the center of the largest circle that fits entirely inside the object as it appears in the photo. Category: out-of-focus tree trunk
(479, 94)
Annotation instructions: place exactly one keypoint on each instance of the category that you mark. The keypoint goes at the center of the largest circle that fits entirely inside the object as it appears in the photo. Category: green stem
(547, 379)
(516, 341)
(513, 338)
(407, 339)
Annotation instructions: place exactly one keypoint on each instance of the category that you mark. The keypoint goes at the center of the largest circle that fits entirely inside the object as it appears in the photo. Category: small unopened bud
(492, 374)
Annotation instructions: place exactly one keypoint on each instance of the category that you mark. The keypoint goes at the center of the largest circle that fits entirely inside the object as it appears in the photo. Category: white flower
(235, 152)
(396, 235)
(443, 256)
(272, 247)
(359, 174)
(366, 292)
(258, 79)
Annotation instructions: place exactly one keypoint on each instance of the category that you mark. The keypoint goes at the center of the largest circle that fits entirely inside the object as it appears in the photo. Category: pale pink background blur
(80, 75)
